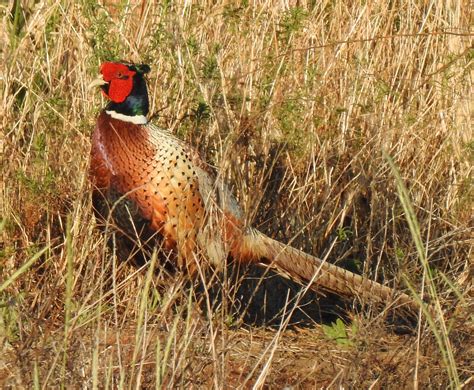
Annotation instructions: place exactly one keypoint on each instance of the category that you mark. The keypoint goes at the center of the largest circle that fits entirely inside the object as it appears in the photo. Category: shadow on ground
(256, 296)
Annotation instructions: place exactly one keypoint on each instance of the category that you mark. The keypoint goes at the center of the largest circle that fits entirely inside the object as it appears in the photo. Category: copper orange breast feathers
(146, 166)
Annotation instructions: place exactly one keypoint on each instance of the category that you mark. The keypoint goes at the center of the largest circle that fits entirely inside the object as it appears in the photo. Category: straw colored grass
(342, 127)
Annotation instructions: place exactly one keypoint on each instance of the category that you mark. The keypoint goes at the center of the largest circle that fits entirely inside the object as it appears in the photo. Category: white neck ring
(135, 119)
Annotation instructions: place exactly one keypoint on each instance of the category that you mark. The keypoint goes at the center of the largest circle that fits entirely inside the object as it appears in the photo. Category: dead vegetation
(295, 102)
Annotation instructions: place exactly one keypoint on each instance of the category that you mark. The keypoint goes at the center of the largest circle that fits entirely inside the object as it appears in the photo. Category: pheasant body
(176, 195)
(159, 174)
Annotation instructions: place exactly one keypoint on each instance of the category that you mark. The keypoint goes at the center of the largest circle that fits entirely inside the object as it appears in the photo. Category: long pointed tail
(326, 276)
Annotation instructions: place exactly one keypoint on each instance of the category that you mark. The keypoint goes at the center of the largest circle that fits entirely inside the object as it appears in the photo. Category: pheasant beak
(97, 82)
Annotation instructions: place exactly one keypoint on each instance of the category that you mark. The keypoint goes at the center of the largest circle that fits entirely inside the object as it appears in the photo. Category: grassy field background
(296, 103)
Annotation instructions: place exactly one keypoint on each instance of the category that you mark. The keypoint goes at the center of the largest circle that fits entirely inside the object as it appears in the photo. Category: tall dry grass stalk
(294, 103)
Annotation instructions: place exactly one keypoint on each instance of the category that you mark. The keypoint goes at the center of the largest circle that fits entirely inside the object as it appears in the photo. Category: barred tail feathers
(302, 266)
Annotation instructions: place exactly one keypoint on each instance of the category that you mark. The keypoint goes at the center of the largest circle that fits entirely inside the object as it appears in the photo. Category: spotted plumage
(157, 186)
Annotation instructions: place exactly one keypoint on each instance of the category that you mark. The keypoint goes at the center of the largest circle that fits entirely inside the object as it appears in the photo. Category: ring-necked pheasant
(170, 191)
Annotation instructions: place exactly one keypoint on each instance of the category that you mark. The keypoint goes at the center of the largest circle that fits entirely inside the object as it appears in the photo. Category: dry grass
(295, 103)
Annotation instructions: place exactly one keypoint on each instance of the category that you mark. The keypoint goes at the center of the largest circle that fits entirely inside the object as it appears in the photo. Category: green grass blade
(441, 333)
(24, 267)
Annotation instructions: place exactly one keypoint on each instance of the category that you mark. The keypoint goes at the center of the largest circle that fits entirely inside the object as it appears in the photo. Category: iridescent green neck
(136, 104)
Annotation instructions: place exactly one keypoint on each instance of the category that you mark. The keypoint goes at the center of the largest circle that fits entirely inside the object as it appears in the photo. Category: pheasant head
(125, 86)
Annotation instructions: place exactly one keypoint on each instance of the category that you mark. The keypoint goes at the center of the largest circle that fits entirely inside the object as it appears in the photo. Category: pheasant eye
(121, 76)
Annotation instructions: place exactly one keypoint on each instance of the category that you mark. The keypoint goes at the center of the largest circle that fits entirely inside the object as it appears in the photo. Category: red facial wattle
(120, 79)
